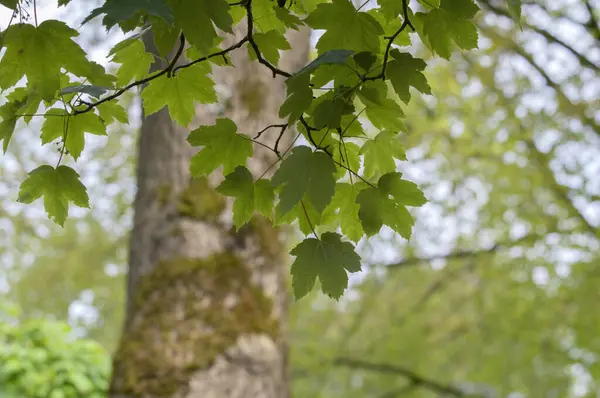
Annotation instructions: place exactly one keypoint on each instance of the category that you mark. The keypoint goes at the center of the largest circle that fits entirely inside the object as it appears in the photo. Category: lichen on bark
(175, 332)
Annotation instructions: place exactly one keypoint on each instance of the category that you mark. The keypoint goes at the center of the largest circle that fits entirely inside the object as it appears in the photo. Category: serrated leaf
(305, 172)
(249, 196)
(222, 146)
(180, 93)
(8, 121)
(59, 124)
(131, 39)
(390, 8)
(270, 44)
(381, 152)
(299, 98)
(385, 205)
(345, 27)
(29, 102)
(343, 210)
(327, 258)
(348, 155)
(50, 45)
(514, 7)
(330, 110)
(304, 212)
(111, 110)
(164, 35)
(383, 112)
(59, 187)
(405, 71)
(117, 11)
(365, 60)
(450, 22)
(197, 19)
(135, 62)
(405, 192)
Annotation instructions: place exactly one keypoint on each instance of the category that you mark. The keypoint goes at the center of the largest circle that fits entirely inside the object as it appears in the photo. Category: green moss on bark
(201, 201)
(187, 312)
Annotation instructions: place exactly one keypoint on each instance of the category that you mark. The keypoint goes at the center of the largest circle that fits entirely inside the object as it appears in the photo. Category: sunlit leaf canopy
(518, 317)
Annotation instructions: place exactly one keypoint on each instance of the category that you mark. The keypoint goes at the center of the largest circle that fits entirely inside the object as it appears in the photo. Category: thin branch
(414, 378)
(460, 254)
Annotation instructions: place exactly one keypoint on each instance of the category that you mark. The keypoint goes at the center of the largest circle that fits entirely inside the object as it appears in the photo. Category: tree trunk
(206, 307)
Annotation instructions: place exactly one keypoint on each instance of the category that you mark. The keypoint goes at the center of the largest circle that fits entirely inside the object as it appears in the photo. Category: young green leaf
(8, 121)
(222, 146)
(180, 93)
(514, 7)
(58, 186)
(308, 218)
(299, 97)
(327, 258)
(305, 172)
(198, 18)
(345, 27)
(347, 154)
(405, 71)
(249, 196)
(343, 210)
(135, 62)
(386, 205)
(270, 44)
(381, 152)
(50, 45)
(383, 112)
(111, 111)
(59, 124)
(118, 11)
(450, 22)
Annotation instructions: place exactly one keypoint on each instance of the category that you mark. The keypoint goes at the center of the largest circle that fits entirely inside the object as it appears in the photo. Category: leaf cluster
(344, 180)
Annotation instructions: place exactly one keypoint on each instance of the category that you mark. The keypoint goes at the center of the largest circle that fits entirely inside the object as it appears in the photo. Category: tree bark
(206, 311)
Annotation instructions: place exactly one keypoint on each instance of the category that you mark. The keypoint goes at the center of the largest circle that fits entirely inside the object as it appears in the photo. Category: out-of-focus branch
(461, 254)
(583, 60)
(414, 378)
(517, 49)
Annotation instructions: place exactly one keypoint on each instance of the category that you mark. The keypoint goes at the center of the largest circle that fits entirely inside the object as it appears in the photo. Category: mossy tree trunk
(206, 307)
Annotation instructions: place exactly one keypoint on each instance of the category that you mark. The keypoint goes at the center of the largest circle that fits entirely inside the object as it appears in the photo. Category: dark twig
(405, 23)
(269, 127)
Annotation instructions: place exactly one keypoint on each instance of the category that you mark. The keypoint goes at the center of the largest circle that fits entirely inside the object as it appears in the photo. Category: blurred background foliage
(497, 294)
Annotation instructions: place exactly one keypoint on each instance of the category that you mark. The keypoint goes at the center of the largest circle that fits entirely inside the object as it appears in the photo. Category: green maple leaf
(514, 7)
(381, 152)
(29, 102)
(305, 172)
(249, 196)
(197, 19)
(343, 210)
(345, 27)
(306, 214)
(164, 35)
(59, 124)
(9, 114)
(222, 146)
(299, 97)
(270, 44)
(118, 11)
(40, 54)
(390, 8)
(135, 62)
(450, 22)
(58, 186)
(347, 154)
(111, 111)
(180, 93)
(405, 71)
(386, 205)
(327, 258)
(383, 112)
